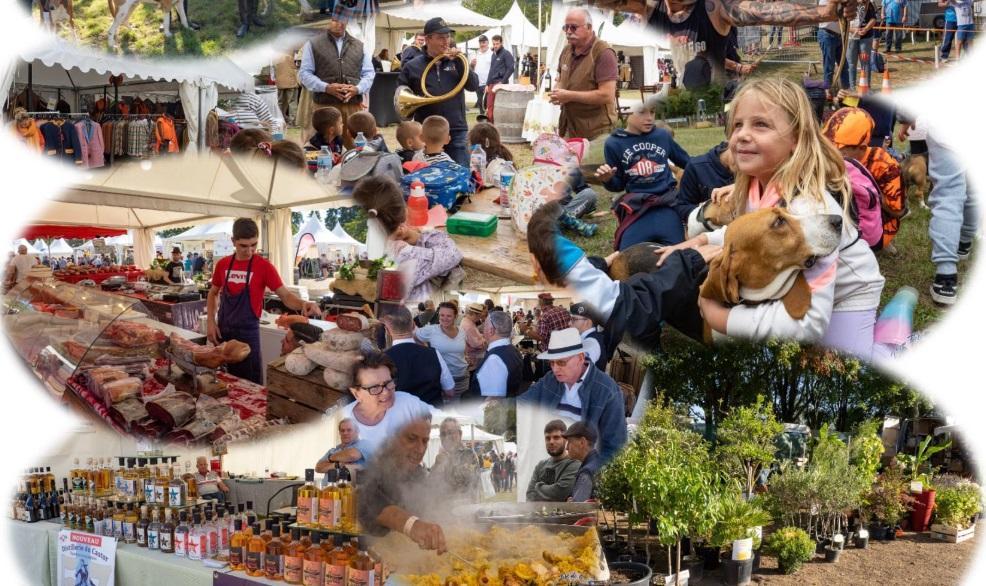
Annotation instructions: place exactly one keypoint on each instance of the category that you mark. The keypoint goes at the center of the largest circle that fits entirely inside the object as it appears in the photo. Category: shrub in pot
(746, 441)
(888, 500)
(956, 504)
(791, 546)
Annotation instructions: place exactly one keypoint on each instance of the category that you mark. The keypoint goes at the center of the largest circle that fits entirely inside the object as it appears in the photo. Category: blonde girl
(783, 159)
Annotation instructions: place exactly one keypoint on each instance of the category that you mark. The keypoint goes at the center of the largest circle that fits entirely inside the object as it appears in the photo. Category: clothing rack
(58, 115)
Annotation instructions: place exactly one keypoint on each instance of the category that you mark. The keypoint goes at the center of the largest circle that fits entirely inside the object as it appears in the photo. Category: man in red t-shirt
(240, 305)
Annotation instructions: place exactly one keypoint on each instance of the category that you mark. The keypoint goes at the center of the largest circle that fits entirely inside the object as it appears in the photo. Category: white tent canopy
(191, 189)
(205, 232)
(87, 245)
(62, 65)
(344, 237)
(634, 38)
(517, 31)
(30, 247)
(59, 248)
(470, 433)
(393, 22)
(326, 240)
(128, 240)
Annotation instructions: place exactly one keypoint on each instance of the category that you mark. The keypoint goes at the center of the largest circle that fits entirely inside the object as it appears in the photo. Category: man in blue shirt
(351, 450)
(338, 70)
(894, 15)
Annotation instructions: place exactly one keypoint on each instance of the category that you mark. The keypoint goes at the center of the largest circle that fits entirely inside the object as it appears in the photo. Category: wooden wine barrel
(508, 114)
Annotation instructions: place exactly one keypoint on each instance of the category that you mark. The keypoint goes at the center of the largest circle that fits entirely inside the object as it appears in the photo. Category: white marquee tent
(344, 236)
(55, 248)
(74, 70)
(633, 38)
(517, 31)
(393, 22)
(23, 241)
(326, 240)
(190, 190)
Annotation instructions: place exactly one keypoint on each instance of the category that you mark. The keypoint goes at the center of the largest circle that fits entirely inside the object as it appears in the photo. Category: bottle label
(335, 575)
(141, 536)
(361, 577)
(148, 492)
(129, 531)
(194, 553)
(293, 569)
(305, 511)
(213, 542)
(312, 573)
(272, 565)
(236, 556)
(78, 484)
(117, 528)
(160, 496)
(255, 561)
(181, 543)
(167, 541)
(327, 512)
(175, 497)
(152, 539)
(224, 538)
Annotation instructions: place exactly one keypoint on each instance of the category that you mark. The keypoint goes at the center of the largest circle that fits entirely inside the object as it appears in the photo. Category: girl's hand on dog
(709, 251)
(722, 194)
(605, 172)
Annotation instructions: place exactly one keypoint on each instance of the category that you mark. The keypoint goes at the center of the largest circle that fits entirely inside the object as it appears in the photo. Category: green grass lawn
(219, 20)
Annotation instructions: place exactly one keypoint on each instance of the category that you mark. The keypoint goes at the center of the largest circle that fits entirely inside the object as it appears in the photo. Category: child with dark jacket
(637, 163)
(365, 122)
(327, 123)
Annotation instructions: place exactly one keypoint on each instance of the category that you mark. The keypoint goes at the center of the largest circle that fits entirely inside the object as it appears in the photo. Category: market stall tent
(392, 22)
(634, 38)
(188, 190)
(59, 248)
(23, 241)
(75, 70)
(324, 240)
(344, 237)
(517, 31)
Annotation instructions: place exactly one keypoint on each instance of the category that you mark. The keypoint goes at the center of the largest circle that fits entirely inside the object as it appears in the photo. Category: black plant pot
(839, 544)
(821, 544)
(709, 555)
(695, 566)
(878, 532)
(686, 546)
(832, 554)
(891, 533)
(736, 572)
(637, 574)
(756, 560)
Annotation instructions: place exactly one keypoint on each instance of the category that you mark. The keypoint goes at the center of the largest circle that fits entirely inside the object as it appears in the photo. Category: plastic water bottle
(507, 172)
(277, 130)
(477, 163)
(417, 205)
(324, 163)
(360, 141)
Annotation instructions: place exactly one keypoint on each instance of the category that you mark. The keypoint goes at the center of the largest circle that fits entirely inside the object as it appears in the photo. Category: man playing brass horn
(442, 79)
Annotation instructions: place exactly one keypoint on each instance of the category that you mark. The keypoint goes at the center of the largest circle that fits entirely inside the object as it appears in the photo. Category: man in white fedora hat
(578, 390)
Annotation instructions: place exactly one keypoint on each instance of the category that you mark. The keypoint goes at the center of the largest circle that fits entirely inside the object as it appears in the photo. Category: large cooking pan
(532, 512)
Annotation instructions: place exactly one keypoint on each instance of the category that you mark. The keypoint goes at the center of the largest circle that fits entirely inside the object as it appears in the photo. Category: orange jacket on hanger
(164, 130)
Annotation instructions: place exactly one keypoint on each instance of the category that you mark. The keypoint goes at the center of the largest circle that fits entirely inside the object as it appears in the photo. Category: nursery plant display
(792, 547)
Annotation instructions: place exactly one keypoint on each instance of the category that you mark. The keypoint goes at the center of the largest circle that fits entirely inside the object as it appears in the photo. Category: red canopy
(36, 231)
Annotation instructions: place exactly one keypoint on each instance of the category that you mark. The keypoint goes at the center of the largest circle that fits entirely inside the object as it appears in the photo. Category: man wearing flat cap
(441, 80)
(579, 391)
(592, 339)
(582, 438)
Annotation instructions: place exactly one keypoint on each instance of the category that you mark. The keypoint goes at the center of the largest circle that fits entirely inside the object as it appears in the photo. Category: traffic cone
(885, 88)
(862, 86)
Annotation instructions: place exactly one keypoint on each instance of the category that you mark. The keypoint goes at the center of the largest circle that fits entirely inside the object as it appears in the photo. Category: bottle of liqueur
(162, 481)
(194, 545)
(154, 530)
(212, 530)
(250, 515)
(177, 491)
(222, 529)
(189, 478)
(130, 524)
(360, 571)
(336, 564)
(294, 558)
(147, 484)
(166, 537)
(328, 513)
(181, 535)
(274, 555)
(380, 570)
(78, 477)
(237, 546)
(255, 553)
(142, 526)
(311, 574)
(308, 501)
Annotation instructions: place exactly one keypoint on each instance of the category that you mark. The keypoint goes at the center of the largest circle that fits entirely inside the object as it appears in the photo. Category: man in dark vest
(420, 370)
(587, 74)
(592, 339)
(338, 70)
(442, 79)
(499, 372)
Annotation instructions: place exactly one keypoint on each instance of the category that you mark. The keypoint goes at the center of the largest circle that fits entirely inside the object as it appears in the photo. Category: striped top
(250, 111)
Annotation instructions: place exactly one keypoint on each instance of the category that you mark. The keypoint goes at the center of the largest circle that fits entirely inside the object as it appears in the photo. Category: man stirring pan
(238, 286)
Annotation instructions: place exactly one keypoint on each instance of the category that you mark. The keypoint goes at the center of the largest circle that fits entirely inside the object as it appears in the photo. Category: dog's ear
(798, 299)
(722, 283)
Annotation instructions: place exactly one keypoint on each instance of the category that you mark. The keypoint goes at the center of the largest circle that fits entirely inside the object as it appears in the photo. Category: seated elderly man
(499, 372)
(208, 483)
(576, 389)
(380, 410)
(351, 450)
(396, 489)
(582, 447)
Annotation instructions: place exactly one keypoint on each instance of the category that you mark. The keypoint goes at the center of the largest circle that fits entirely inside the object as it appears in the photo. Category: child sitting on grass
(435, 132)
(327, 123)
(428, 259)
(365, 122)
(409, 138)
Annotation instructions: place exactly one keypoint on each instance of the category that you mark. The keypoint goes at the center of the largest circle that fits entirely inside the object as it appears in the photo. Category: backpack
(446, 184)
(865, 208)
(359, 164)
(548, 179)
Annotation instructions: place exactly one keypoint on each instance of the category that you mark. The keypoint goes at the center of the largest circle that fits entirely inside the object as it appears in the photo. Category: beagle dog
(763, 257)
(914, 173)
(707, 217)
(122, 10)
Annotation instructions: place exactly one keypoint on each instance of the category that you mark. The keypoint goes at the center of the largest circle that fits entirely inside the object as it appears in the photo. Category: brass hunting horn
(406, 101)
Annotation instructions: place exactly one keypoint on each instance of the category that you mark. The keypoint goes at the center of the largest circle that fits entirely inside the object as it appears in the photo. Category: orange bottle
(336, 565)
(361, 572)
(311, 574)
(417, 205)
(294, 558)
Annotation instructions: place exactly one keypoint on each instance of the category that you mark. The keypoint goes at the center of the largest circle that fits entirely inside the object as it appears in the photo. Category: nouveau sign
(85, 559)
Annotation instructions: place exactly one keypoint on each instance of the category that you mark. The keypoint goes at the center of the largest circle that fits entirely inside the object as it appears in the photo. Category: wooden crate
(952, 534)
(299, 398)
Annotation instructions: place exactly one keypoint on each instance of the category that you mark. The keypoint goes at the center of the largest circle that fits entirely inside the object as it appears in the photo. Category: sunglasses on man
(571, 28)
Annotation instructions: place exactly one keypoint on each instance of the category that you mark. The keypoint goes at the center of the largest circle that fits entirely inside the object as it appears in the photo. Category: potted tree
(958, 503)
(746, 442)
(735, 531)
(791, 546)
(887, 502)
(918, 469)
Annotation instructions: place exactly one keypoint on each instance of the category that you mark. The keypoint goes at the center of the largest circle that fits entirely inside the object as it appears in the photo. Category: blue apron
(238, 322)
